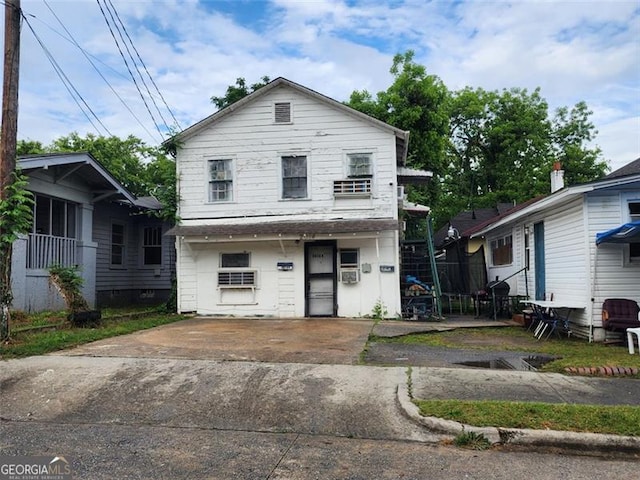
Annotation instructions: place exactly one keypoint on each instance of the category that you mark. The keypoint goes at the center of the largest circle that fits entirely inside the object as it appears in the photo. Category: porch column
(19, 273)
(86, 253)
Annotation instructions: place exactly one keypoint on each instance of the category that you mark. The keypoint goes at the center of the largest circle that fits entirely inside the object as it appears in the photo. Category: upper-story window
(54, 217)
(294, 177)
(359, 165)
(220, 180)
(502, 250)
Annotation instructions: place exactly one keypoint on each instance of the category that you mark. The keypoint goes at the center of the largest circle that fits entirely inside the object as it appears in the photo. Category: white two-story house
(288, 206)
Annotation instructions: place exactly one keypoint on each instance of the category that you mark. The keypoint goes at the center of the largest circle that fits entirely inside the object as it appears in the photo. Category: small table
(554, 317)
(630, 332)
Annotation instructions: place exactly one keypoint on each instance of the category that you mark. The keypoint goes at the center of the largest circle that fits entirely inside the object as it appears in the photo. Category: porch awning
(288, 228)
(626, 233)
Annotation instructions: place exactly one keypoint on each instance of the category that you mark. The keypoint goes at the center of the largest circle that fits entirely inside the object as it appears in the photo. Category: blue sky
(572, 50)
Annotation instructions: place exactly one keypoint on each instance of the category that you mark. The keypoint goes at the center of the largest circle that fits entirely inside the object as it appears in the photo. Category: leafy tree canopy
(418, 102)
(238, 91)
(503, 145)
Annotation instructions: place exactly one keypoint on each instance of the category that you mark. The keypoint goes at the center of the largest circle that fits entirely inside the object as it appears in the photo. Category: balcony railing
(44, 251)
(360, 186)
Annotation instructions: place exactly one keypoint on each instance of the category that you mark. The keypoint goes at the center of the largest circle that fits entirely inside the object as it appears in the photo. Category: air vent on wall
(283, 112)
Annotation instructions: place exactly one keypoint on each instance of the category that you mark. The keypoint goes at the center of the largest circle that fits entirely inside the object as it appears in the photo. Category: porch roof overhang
(413, 176)
(82, 164)
(415, 208)
(285, 229)
(625, 233)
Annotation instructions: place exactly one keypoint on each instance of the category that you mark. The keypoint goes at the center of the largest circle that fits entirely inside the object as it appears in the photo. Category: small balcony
(357, 187)
(44, 251)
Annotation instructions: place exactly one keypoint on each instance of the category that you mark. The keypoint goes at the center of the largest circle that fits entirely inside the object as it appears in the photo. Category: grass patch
(472, 440)
(574, 352)
(617, 420)
(23, 344)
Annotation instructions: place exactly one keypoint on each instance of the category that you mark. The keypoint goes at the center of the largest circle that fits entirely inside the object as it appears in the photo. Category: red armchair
(620, 314)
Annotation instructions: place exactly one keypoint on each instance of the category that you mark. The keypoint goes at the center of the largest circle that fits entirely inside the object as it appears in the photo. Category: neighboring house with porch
(83, 217)
(288, 207)
(555, 238)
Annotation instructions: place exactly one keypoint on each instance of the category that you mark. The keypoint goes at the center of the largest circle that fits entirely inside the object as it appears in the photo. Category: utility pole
(8, 141)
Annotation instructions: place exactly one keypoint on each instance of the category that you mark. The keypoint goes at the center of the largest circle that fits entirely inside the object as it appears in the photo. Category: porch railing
(44, 251)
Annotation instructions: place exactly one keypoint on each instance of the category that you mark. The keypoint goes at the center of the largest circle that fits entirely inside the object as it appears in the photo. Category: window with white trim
(220, 180)
(634, 248)
(359, 165)
(117, 244)
(294, 177)
(502, 250)
(349, 258)
(152, 245)
(54, 217)
(234, 270)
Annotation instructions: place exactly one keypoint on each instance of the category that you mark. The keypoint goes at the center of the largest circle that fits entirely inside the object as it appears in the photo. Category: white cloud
(574, 51)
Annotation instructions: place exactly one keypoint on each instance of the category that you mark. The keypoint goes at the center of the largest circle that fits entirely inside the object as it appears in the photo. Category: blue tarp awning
(626, 233)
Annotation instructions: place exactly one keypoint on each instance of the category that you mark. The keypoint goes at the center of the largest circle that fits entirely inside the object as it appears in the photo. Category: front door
(538, 245)
(320, 279)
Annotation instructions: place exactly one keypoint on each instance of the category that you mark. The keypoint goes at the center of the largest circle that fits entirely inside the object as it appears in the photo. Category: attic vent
(283, 112)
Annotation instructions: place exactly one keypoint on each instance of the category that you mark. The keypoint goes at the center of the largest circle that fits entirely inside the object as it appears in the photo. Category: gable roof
(468, 221)
(83, 165)
(561, 197)
(630, 168)
(402, 136)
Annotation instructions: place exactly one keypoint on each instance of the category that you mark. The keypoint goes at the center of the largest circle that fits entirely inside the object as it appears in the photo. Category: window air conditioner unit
(351, 275)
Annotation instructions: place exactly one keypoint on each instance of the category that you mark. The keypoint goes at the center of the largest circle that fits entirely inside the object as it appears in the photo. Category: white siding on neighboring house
(614, 276)
(566, 268)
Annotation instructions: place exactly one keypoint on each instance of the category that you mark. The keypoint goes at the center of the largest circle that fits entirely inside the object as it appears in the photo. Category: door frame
(333, 275)
(540, 273)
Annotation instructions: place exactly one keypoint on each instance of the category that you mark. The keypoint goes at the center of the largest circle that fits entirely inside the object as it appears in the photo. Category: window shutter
(283, 112)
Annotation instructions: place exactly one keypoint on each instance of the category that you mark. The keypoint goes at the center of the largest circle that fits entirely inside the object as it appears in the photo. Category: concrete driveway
(317, 341)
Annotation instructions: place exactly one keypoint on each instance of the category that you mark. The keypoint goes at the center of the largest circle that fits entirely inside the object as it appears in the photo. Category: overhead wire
(124, 29)
(68, 84)
(88, 57)
(124, 58)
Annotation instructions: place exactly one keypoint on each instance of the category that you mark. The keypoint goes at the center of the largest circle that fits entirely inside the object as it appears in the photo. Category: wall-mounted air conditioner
(349, 275)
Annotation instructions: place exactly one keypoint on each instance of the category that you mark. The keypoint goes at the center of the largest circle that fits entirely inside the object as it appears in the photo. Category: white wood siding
(613, 276)
(255, 144)
(281, 293)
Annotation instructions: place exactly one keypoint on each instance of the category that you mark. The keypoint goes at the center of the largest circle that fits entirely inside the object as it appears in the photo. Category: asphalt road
(222, 400)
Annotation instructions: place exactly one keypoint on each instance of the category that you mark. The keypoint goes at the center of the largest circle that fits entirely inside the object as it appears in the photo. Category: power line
(128, 67)
(124, 29)
(75, 94)
(86, 55)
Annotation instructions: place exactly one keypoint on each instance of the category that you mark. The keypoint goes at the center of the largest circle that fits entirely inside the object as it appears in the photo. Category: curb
(592, 442)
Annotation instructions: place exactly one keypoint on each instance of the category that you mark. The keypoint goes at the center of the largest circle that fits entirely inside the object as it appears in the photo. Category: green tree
(238, 91)
(29, 147)
(418, 102)
(16, 211)
(503, 145)
(124, 158)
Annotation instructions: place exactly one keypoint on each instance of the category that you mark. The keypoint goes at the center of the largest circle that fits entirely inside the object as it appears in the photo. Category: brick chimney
(557, 177)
